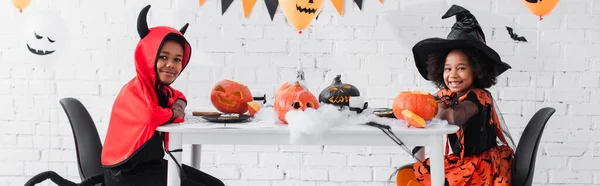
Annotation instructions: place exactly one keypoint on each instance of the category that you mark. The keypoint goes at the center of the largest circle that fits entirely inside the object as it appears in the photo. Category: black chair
(87, 146)
(526, 152)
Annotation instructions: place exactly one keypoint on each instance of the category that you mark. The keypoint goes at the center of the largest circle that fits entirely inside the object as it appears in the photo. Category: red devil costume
(133, 150)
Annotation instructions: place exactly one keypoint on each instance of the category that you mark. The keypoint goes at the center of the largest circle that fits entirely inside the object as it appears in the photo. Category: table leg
(173, 178)
(436, 145)
(195, 155)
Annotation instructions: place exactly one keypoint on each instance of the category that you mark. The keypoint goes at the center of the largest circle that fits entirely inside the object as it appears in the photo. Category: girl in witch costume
(463, 66)
(133, 150)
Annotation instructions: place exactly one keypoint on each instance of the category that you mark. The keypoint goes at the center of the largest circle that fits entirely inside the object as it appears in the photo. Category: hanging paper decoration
(381, 1)
(272, 7)
(300, 13)
(359, 3)
(225, 5)
(540, 7)
(45, 38)
(248, 5)
(21, 4)
(201, 2)
(339, 6)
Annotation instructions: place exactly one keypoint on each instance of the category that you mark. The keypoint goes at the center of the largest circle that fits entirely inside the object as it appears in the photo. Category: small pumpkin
(230, 97)
(338, 93)
(421, 103)
(293, 97)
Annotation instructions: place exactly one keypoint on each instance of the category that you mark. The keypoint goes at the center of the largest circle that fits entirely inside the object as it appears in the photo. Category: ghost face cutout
(44, 38)
(301, 13)
(36, 51)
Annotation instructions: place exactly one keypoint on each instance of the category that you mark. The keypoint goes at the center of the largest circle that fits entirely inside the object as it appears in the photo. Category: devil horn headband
(142, 24)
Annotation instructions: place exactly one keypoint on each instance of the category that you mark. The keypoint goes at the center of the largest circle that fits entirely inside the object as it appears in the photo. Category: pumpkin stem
(297, 83)
(337, 79)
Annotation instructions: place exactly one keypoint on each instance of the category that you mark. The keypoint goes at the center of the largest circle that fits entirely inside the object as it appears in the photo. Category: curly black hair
(482, 72)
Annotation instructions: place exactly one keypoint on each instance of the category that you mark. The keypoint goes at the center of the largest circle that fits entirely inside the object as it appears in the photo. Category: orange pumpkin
(423, 104)
(293, 97)
(230, 97)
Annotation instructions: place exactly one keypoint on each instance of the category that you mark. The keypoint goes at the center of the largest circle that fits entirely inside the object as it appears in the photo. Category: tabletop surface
(195, 124)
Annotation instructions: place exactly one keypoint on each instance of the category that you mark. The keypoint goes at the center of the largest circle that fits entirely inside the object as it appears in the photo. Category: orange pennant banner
(248, 5)
(201, 2)
(381, 1)
(339, 6)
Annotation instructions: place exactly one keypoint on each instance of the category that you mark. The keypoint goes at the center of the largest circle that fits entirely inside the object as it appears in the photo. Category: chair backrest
(87, 142)
(525, 155)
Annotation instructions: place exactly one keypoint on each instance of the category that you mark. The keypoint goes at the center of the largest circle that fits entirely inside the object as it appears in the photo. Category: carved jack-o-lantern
(230, 97)
(338, 93)
(293, 97)
(300, 13)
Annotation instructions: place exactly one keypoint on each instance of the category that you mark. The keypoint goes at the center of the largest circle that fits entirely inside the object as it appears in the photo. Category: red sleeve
(179, 95)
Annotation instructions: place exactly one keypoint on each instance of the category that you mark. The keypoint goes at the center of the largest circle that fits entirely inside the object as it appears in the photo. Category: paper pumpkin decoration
(338, 93)
(293, 97)
(44, 37)
(21, 4)
(540, 7)
(300, 13)
(230, 97)
(423, 104)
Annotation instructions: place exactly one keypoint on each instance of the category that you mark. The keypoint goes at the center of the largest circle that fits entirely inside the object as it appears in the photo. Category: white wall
(263, 54)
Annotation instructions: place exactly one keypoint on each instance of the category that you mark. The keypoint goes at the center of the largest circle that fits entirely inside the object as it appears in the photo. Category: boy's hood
(147, 50)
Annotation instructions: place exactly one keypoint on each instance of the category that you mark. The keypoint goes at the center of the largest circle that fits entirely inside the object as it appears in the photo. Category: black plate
(215, 118)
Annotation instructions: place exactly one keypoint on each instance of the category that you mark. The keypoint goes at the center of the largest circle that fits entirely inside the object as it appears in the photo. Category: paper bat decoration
(515, 36)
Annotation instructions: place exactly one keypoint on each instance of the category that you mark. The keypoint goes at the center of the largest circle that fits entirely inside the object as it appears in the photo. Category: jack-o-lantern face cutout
(293, 97)
(338, 93)
(540, 7)
(230, 97)
(300, 13)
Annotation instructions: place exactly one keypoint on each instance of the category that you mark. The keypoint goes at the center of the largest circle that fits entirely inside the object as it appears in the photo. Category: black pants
(155, 174)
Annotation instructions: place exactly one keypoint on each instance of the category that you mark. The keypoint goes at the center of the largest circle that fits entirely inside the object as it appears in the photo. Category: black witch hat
(466, 33)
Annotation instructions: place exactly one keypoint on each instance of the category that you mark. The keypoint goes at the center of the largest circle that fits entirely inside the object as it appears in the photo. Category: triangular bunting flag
(248, 5)
(381, 1)
(225, 5)
(359, 3)
(339, 6)
(272, 7)
(201, 2)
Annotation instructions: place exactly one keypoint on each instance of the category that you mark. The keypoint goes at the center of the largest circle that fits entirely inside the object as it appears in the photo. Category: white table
(198, 131)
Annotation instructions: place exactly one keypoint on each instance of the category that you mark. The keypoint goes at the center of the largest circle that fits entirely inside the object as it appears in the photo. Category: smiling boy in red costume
(133, 150)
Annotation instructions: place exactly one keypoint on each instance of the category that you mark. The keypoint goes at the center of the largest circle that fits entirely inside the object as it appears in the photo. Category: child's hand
(443, 104)
(179, 109)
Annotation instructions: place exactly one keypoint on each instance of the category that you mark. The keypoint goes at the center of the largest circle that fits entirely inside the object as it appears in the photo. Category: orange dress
(477, 158)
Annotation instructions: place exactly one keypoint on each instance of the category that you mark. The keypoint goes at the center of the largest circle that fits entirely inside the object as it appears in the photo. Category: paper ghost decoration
(44, 37)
